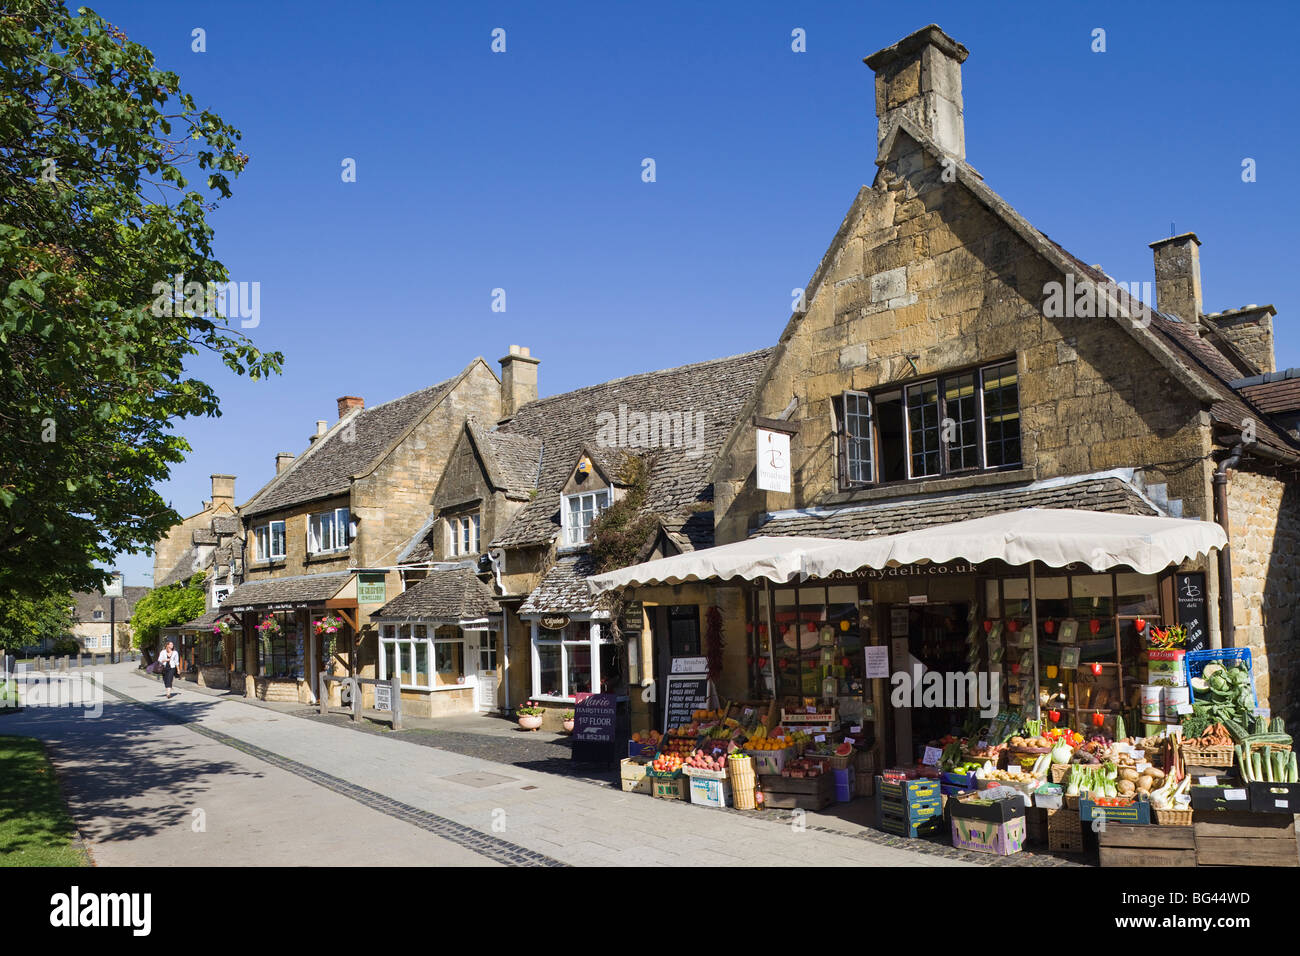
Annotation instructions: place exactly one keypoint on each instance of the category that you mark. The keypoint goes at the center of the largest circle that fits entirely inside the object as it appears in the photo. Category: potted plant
(530, 716)
(567, 717)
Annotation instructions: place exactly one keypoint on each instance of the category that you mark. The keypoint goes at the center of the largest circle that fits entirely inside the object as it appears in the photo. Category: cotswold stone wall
(923, 278)
(1264, 517)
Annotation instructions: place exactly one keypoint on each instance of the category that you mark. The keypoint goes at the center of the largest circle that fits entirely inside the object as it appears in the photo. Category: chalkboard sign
(593, 718)
(685, 694)
(1189, 594)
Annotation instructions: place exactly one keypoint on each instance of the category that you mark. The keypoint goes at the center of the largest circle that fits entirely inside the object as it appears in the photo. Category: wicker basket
(1059, 772)
(741, 775)
(1173, 818)
(1064, 831)
(1208, 756)
(1263, 746)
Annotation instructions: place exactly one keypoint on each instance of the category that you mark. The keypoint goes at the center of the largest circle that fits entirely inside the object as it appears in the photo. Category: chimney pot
(283, 460)
(518, 380)
(348, 402)
(919, 78)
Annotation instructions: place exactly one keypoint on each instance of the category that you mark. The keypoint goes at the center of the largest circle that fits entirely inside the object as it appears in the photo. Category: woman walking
(171, 662)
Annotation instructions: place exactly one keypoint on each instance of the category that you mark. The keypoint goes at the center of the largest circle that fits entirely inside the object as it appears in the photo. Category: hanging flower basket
(329, 625)
(269, 627)
(222, 629)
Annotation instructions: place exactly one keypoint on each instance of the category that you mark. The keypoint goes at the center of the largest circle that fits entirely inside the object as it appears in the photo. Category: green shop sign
(370, 589)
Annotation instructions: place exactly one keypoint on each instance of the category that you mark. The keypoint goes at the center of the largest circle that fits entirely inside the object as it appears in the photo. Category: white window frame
(404, 633)
(264, 542)
(570, 531)
(463, 534)
(870, 418)
(596, 639)
(333, 525)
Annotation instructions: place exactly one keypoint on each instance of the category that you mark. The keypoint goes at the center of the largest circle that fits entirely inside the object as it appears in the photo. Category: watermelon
(843, 750)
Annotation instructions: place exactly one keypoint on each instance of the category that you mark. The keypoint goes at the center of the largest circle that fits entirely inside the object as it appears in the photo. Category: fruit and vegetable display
(1268, 764)
(1222, 694)
(650, 738)
(803, 767)
(667, 763)
(1215, 735)
(702, 761)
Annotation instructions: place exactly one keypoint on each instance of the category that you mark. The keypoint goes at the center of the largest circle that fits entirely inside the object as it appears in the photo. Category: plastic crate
(908, 790)
(901, 826)
(1196, 661)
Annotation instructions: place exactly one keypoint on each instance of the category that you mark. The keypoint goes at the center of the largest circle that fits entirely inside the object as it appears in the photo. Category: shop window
(463, 534)
(487, 651)
(562, 662)
(239, 652)
(328, 531)
(684, 630)
(278, 654)
(421, 660)
(268, 541)
(578, 512)
(950, 424)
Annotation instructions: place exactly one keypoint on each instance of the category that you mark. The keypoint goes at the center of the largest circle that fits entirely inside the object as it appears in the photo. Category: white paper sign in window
(773, 460)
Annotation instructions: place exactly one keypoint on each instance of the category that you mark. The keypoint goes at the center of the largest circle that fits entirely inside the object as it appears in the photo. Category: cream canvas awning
(1053, 536)
(777, 559)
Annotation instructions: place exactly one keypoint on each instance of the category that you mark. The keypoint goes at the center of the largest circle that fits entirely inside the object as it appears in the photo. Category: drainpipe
(1227, 626)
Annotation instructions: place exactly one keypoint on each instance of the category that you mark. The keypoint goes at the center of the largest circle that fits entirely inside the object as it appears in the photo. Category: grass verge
(35, 828)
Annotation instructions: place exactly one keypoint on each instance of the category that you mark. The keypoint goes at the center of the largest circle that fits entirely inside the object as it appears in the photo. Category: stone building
(515, 507)
(322, 536)
(952, 361)
(93, 619)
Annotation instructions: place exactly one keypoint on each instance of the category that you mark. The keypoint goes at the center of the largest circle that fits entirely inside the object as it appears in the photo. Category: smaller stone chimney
(348, 402)
(283, 460)
(518, 380)
(1178, 276)
(919, 78)
(223, 491)
(1249, 333)
(322, 427)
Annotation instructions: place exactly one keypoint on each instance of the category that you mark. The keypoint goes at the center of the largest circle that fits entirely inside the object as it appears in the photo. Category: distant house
(95, 617)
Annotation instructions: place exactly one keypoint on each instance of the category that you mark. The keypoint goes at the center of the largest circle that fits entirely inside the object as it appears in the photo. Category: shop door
(484, 653)
(934, 634)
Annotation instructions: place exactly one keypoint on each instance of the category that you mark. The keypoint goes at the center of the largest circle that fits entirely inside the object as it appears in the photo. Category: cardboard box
(632, 776)
(985, 836)
(709, 793)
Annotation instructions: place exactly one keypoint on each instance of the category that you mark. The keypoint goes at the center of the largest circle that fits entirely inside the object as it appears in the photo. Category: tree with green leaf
(26, 622)
(98, 219)
(166, 607)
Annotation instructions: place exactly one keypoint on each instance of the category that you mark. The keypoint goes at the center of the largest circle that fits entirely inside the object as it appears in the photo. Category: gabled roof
(85, 603)
(352, 447)
(563, 589)
(512, 460)
(445, 596)
(1109, 493)
(710, 392)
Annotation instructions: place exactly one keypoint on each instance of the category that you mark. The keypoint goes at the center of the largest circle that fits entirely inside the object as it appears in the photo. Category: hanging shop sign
(773, 460)
(554, 622)
(370, 589)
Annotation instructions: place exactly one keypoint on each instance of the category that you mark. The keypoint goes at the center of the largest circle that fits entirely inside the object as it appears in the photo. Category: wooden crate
(1240, 838)
(1122, 844)
(805, 793)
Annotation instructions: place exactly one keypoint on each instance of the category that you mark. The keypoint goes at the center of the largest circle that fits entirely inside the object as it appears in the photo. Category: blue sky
(522, 170)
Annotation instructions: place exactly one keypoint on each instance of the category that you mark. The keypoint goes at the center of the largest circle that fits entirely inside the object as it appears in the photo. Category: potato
(1155, 773)
(1145, 781)
(1131, 775)
(1126, 787)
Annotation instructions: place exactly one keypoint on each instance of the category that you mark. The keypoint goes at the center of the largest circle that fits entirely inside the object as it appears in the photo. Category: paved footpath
(274, 788)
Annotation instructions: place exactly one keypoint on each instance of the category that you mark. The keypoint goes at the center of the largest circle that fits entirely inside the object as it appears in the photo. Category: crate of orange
(769, 754)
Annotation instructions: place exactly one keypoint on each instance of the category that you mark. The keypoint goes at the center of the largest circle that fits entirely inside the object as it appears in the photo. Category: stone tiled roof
(714, 391)
(1274, 392)
(203, 623)
(204, 536)
(512, 460)
(183, 569)
(226, 524)
(893, 517)
(85, 603)
(302, 589)
(447, 595)
(564, 589)
(326, 468)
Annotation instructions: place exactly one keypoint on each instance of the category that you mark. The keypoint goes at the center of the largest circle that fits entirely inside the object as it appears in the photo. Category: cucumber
(1268, 739)
(1235, 730)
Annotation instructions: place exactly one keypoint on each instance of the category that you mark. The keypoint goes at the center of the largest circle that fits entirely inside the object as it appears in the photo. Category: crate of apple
(702, 761)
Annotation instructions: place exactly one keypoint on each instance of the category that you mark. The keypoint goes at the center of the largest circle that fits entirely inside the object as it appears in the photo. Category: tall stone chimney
(349, 402)
(223, 491)
(283, 460)
(919, 78)
(518, 380)
(1178, 276)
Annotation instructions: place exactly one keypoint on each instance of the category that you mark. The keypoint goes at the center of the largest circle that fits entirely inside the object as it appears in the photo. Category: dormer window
(328, 531)
(463, 535)
(578, 512)
(99, 615)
